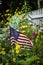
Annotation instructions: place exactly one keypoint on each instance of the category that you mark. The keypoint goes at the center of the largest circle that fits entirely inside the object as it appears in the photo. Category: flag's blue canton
(14, 33)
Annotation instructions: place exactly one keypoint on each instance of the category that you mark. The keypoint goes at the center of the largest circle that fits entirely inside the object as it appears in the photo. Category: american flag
(20, 38)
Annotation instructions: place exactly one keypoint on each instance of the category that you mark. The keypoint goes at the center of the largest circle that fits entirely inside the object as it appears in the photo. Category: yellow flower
(19, 12)
(14, 59)
(1, 63)
(7, 64)
(3, 49)
(7, 10)
(17, 46)
(3, 52)
(17, 50)
(25, 26)
(9, 14)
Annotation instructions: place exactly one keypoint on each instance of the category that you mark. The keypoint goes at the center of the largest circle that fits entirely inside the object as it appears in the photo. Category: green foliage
(9, 55)
(31, 59)
(22, 62)
(26, 7)
(25, 27)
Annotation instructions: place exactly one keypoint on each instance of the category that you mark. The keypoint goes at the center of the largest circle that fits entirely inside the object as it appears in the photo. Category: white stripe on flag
(23, 38)
(22, 35)
(12, 43)
(23, 41)
(12, 38)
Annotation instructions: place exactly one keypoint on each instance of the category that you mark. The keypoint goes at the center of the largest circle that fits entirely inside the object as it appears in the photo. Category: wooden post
(38, 2)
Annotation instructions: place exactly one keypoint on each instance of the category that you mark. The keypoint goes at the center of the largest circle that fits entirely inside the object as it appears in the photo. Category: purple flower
(34, 33)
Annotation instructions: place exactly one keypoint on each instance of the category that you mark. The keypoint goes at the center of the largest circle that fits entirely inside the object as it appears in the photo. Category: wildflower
(9, 14)
(17, 46)
(3, 52)
(14, 59)
(24, 26)
(34, 33)
(17, 50)
(19, 12)
(7, 10)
